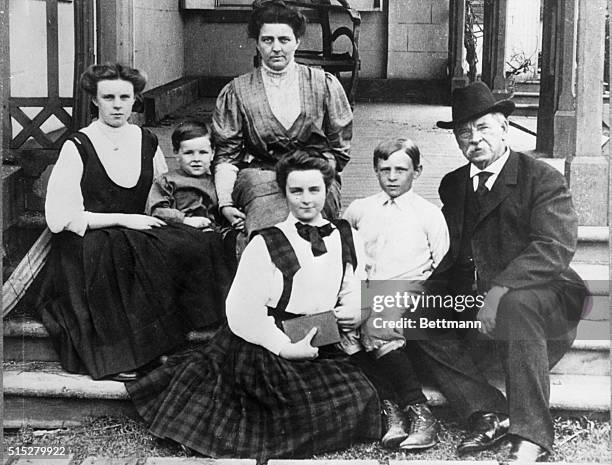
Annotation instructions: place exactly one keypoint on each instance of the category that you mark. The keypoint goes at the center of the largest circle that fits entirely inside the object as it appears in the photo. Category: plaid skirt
(232, 398)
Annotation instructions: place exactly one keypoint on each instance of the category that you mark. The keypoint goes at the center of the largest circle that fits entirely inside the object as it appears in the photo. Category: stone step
(526, 97)
(528, 86)
(27, 340)
(42, 395)
(593, 245)
(526, 109)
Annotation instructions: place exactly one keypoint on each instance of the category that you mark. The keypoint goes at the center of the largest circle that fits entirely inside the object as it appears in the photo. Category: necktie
(315, 235)
(482, 189)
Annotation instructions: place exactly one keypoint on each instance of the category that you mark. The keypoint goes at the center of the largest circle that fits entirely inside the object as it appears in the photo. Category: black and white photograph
(314, 232)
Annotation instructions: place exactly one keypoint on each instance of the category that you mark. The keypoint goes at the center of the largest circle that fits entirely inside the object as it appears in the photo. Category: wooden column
(84, 35)
(456, 37)
(5, 83)
(547, 100)
(115, 31)
(5, 119)
(589, 169)
(494, 46)
(564, 120)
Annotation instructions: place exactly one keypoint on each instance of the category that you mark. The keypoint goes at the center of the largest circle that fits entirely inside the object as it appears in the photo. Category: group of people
(142, 255)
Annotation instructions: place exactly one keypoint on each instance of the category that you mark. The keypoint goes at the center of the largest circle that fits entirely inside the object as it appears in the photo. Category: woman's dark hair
(189, 130)
(390, 146)
(112, 71)
(303, 160)
(275, 12)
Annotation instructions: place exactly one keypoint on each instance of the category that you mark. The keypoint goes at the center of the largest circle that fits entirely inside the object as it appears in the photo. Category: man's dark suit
(524, 238)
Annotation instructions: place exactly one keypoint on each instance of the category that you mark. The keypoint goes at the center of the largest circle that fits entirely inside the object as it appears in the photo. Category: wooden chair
(318, 11)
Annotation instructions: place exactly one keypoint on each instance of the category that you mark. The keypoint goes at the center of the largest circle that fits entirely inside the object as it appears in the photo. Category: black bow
(315, 235)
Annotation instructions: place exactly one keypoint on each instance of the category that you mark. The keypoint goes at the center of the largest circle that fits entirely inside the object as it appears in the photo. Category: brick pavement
(374, 122)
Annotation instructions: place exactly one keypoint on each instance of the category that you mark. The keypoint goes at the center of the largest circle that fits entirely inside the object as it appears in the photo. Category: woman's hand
(134, 221)
(300, 350)
(348, 318)
(199, 222)
(234, 216)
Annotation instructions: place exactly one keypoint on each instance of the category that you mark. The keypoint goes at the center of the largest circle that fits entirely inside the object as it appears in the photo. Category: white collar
(289, 71)
(494, 168)
(291, 220)
(403, 201)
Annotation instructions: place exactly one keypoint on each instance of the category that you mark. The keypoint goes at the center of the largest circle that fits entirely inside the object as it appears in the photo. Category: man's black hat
(474, 101)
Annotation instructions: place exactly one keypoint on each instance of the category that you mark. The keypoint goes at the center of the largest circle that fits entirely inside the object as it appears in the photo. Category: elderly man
(513, 233)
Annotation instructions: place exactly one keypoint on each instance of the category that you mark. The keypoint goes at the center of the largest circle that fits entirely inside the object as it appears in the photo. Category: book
(325, 322)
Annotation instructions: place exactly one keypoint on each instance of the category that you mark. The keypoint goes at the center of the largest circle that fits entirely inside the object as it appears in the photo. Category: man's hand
(301, 350)
(488, 312)
(234, 216)
(199, 222)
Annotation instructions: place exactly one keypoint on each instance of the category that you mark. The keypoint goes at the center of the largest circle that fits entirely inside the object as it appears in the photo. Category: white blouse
(317, 286)
(119, 150)
(283, 92)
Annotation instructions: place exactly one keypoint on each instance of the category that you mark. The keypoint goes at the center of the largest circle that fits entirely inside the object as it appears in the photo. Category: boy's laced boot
(394, 425)
(423, 430)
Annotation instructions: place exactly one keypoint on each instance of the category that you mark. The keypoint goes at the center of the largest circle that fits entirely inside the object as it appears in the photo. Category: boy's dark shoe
(485, 430)
(524, 451)
(394, 425)
(423, 431)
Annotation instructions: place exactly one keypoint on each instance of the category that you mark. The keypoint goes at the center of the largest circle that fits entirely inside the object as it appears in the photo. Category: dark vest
(100, 193)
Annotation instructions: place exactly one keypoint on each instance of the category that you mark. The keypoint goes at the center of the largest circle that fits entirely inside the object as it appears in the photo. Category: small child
(187, 194)
(405, 238)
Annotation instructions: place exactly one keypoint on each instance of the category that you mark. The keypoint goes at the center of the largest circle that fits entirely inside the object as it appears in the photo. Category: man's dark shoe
(523, 450)
(423, 430)
(394, 425)
(485, 430)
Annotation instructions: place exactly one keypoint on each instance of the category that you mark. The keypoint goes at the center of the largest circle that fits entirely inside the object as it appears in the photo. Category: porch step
(526, 109)
(27, 340)
(526, 97)
(593, 245)
(42, 395)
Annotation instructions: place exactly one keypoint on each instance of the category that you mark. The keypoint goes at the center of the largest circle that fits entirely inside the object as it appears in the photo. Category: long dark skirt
(231, 398)
(118, 298)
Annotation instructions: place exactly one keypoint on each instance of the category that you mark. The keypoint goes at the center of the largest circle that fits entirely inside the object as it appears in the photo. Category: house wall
(418, 39)
(159, 40)
(223, 49)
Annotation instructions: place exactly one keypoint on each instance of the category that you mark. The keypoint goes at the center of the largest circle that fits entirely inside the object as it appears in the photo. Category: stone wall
(158, 40)
(418, 39)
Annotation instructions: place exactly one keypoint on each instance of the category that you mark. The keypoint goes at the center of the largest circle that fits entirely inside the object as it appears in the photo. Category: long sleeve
(161, 202)
(349, 297)
(64, 201)
(227, 128)
(553, 232)
(228, 140)
(246, 309)
(159, 163)
(338, 121)
(437, 235)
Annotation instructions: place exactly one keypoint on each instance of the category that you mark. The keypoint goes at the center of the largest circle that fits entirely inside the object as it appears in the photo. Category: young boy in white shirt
(405, 238)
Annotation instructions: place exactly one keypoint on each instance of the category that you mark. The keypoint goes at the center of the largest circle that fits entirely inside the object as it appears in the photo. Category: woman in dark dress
(123, 287)
(251, 392)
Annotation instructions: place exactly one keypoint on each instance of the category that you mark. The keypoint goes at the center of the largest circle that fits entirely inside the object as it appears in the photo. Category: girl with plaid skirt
(251, 392)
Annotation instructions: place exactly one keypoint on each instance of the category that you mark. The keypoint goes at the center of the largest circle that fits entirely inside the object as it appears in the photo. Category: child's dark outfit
(176, 195)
